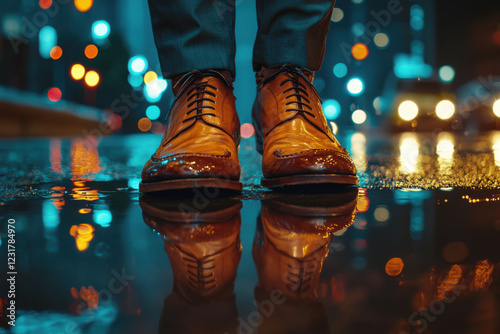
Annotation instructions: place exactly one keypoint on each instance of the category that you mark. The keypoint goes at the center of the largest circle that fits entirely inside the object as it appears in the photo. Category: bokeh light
(144, 124)
(496, 108)
(377, 103)
(340, 70)
(247, 130)
(91, 51)
(381, 40)
(358, 116)
(445, 109)
(355, 86)
(446, 73)
(358, 29)
(381, 214)
(496, 37)
(137, 64)
(135, 80)
(92, 78)
(331, 109)
(83, 5)
(153, 112)
(47, 39)
(56, 52)
(394, 266)
(337, 15)
(100, 29)
(149, 77)
(54, 94)
(455, 251)
(334, 127)
(114, 121)
(77, 71)
(408, 110)
(359, 51)
(44, 4)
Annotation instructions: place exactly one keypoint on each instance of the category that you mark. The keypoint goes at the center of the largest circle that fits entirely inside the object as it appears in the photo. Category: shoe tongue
(178, 81)
(269, 74)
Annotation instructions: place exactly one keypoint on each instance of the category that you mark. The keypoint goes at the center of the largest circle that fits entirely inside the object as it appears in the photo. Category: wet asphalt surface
(414, 250)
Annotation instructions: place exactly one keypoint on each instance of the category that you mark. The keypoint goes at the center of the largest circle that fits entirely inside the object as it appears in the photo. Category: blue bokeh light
(153, 112)
(331, 109)
(340, 70)
(100, 29)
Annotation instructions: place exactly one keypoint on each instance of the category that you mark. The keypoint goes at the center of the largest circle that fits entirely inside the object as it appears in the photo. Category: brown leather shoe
(292, 133)
(199, 148)
(293, 239)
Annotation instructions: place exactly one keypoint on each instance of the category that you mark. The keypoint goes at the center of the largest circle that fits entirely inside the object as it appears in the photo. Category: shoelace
(199, 89)
(300, 276)
(298, 91)
(200, 276)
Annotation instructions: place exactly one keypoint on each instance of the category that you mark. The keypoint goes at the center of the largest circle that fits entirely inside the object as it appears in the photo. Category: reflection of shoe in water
(204, 252)
(293, 236)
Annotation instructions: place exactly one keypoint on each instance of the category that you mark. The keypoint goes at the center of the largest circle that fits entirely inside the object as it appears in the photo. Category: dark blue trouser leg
(292, 32)
(194, 34)
(199, 34)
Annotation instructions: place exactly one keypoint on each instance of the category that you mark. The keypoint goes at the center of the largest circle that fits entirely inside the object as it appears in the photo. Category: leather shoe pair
(199, 148)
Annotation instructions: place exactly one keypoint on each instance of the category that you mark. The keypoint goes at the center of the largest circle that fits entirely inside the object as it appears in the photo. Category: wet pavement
(413, 250)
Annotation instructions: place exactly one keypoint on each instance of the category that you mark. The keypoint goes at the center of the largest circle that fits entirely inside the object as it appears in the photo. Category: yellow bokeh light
(92, 78)
(408, 110)
(84, 5)
(445, 109)
(358, 116)
(496, 108)
(381, 40)
(91, 51)
(149, 77)
(77, 71)
(144, 124)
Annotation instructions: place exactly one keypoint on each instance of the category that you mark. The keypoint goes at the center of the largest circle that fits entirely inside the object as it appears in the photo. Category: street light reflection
(409, 152)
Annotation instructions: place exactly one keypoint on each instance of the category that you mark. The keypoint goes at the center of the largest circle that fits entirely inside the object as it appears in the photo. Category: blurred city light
(496, 148)
(54, 94)
(150, 77)
(331, 109)
(337, 15)
(153, 112)
(358, 116)
(377, 103)
(446, 73)
(358, 29)
(144, 124)
(417, 17)
(411, 67)
(114, 121)
(135, 80)
(359, 51)
(153, 91)
(334, 127)
(409, 149)
(56, 52)
(357, 1)
(381, 40)
(137, 64)
(44, 4)
(83, 5)
(340, 70)
(496, 108)
(77, 71)
(408, 110)
(47, 39)
(92, 78)
(445, 109)
(355, 86)
(394, 266)
(91, 51)
(102, 217)
(247, 130)
(100, 30)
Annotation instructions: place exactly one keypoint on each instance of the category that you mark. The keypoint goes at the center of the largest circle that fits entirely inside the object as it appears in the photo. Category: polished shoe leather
(199, 147)
(204, 249)
(292, 133)
(293, 240)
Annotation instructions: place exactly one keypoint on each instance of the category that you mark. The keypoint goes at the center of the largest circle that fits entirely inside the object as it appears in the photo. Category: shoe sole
(189, 184)
(308, 179)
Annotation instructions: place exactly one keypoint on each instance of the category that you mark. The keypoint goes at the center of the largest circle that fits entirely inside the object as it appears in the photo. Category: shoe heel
(259, 145)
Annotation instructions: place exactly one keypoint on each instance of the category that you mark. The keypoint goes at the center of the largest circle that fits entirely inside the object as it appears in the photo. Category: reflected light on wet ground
(95, 257)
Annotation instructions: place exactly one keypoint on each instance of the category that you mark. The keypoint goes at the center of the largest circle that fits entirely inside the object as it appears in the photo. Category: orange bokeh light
(44, 4)
(56, 52)
(359, 51)
(83, 234)
(91, 51)
(394, 266)
(144, 124)
(84, 5)
(496, 37)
